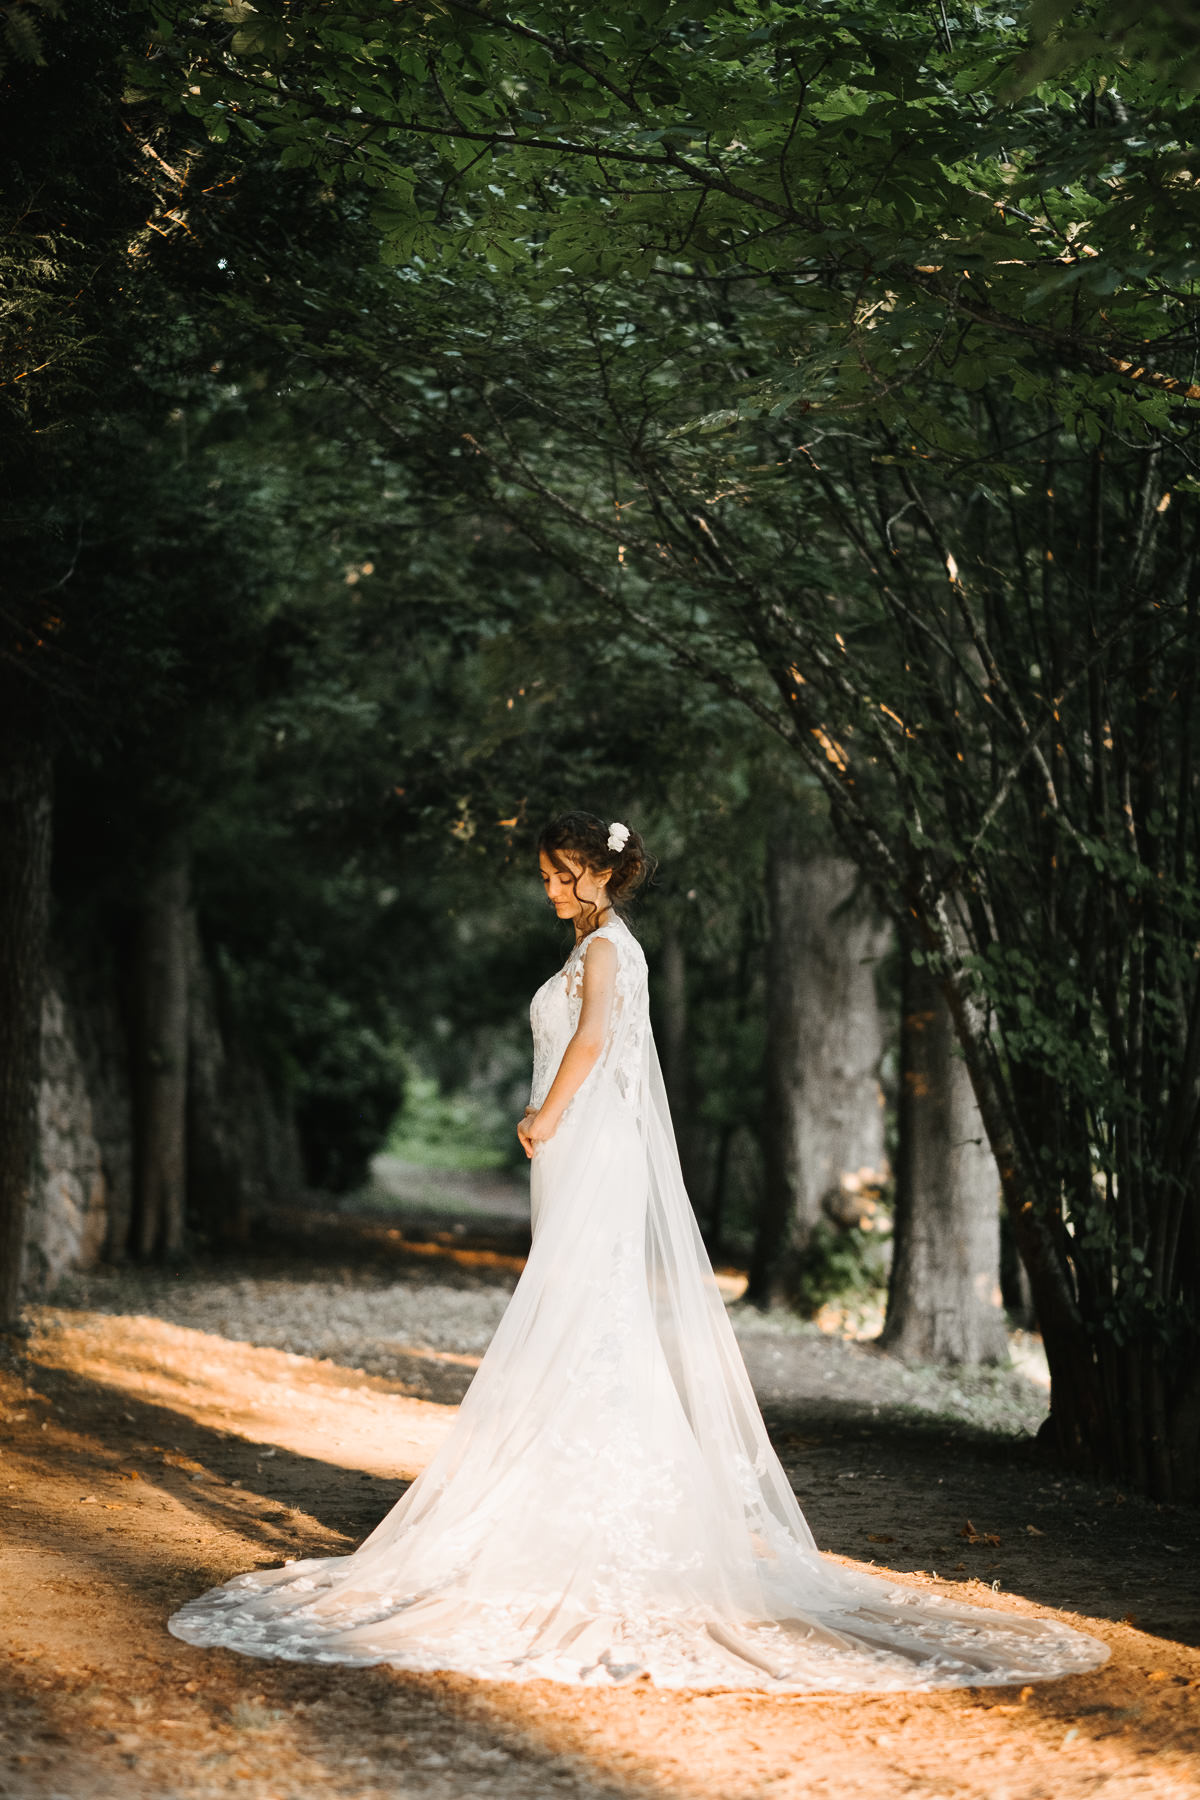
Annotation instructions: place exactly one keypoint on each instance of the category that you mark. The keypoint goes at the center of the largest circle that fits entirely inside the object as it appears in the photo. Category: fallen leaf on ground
(978, 1537)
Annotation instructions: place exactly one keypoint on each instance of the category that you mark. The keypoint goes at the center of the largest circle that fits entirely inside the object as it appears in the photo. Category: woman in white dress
(607, 1506)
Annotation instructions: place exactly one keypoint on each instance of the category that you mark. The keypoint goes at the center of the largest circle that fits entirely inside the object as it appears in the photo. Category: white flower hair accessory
(618, 836)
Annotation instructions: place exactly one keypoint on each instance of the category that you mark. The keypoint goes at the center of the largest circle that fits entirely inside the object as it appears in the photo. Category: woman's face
(573, 889)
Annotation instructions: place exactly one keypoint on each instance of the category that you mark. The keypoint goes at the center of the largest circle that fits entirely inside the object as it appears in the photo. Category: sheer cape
(607, 1506)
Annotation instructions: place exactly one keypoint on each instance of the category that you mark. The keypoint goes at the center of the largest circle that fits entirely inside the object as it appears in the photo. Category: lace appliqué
(554, 1017)
(621, 1059)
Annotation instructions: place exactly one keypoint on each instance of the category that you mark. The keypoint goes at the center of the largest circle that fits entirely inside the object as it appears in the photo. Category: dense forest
(772, 424)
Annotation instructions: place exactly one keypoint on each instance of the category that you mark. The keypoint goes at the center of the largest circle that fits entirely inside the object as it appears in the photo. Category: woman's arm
(579, 1057)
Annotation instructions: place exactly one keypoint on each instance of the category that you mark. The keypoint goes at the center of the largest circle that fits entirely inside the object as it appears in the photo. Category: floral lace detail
(635, 1499)
(548, 1017)
(631, 1006)
(554, 1016)
(499, 1641)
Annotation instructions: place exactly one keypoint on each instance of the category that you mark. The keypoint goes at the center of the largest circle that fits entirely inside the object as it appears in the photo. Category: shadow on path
(99, 1689)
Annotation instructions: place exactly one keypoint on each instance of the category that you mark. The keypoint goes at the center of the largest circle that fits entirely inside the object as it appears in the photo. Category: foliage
(462, 1132)
(850, 160)
(838, 357)
(845, 1264)
(20, 34)
(864, 395)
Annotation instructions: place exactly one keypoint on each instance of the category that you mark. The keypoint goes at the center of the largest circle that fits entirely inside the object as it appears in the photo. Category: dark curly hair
(584, 838)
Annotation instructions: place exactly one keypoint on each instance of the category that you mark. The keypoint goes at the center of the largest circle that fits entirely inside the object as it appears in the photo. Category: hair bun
(600, 845)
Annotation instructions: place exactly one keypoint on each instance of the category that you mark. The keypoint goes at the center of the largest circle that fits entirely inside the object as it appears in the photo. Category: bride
(607, 1506)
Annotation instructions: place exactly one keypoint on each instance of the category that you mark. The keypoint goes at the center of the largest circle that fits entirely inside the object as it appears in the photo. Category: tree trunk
(160, 1060)
(823, 1112)
(26, 812)
(1109, 1414)
(217, 1177)
(944, 1303)
(1014, 1282)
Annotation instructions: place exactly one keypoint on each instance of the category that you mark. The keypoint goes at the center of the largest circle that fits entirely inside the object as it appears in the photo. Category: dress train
(607, 1506)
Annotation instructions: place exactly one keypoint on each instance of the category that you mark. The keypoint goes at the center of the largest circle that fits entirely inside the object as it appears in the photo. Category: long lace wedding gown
(607, 1505)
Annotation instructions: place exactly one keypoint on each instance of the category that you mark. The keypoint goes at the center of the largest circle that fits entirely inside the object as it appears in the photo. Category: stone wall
(243, 1151)
(68, 1221)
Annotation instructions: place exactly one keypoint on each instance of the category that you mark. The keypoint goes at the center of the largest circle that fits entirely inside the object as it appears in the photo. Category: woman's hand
(537, 1127)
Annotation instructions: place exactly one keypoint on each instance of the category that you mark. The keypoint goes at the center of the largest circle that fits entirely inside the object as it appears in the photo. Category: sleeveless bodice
(554, 1015)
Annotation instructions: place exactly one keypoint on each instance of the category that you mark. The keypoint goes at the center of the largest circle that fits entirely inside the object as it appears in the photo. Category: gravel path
(163, 1430)
(366, 1317)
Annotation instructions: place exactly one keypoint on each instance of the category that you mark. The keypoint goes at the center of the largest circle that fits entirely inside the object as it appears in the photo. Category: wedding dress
(607, 1505)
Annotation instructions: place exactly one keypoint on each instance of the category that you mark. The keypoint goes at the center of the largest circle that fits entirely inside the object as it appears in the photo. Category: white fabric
(607, 1506)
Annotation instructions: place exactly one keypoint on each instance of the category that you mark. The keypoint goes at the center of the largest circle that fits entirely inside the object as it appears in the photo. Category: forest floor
(244, 1410)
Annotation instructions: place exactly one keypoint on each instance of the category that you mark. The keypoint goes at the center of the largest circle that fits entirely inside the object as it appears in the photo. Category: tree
(863, 399)
(922, 705)
(940, 351)
(24, 887)
(75, 198)
(944, 1301)
(824, 1120)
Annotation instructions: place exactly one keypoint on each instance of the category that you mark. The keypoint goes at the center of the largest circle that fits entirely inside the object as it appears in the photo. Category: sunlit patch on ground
(271, 1397)
(145, 1457)
(860, 1322)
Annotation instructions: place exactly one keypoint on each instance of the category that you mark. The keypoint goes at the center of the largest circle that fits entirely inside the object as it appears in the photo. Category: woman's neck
(605, 918)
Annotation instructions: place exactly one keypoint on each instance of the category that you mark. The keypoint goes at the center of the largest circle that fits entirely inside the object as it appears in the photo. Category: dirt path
(163, 1432)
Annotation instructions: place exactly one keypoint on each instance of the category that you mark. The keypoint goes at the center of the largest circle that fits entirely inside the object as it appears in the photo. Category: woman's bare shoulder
(599, 950)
